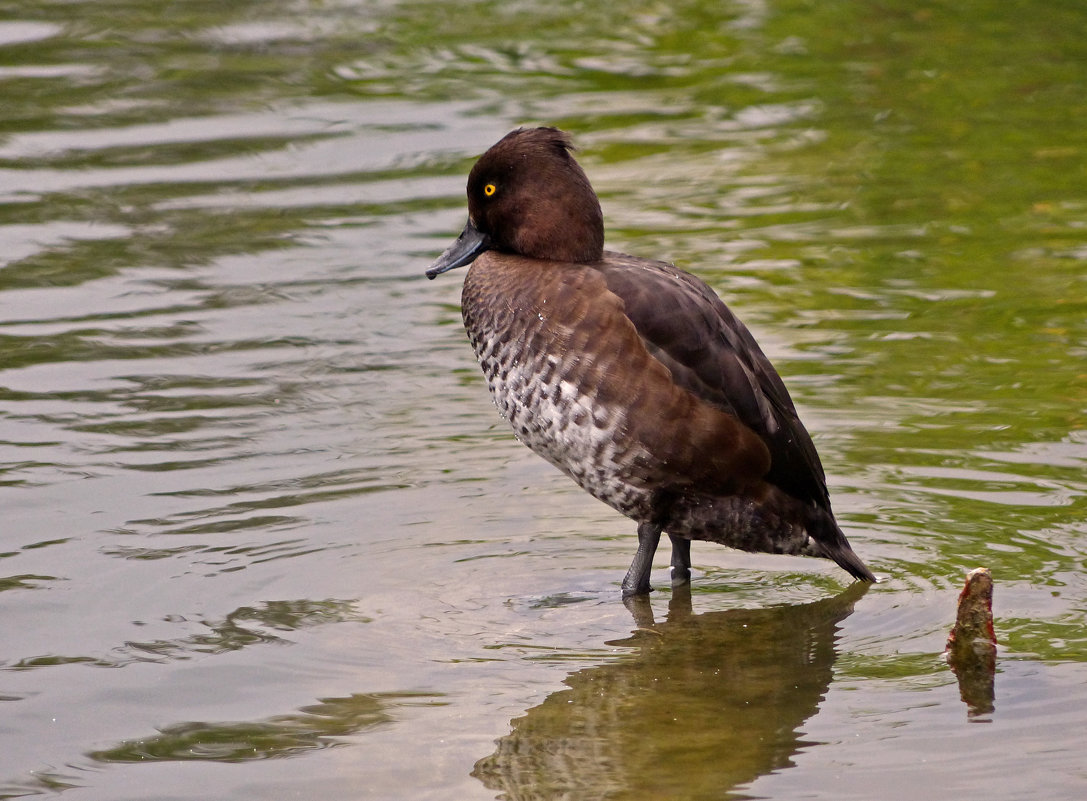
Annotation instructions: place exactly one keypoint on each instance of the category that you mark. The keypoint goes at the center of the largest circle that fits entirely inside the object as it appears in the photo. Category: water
(264, 534)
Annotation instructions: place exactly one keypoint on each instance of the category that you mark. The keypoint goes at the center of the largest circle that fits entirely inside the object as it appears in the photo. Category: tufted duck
(630, 375)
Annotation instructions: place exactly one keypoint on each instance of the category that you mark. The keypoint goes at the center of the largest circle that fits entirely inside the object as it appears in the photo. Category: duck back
(632, 412)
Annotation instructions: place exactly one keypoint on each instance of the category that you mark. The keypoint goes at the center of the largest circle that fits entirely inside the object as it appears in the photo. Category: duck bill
(464, 250)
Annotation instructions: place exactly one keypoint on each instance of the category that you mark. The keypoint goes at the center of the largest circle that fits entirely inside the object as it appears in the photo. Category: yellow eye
(490, 189)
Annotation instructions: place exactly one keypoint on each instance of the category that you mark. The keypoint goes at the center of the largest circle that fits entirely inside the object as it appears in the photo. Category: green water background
(247, 459)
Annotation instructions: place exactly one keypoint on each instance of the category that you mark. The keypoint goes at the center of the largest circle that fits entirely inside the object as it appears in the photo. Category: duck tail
(830, 543)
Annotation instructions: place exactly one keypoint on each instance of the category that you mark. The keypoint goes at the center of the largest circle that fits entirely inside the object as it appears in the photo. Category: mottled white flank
(550, 400)
(560, 421)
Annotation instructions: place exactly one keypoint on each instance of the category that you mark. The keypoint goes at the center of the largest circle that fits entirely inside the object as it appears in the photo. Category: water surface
(265, 536)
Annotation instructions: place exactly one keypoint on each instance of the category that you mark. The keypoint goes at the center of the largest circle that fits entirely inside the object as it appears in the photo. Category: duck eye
(489, 189)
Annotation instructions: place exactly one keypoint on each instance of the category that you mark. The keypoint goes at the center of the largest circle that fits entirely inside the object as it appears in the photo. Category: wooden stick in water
(971, 646)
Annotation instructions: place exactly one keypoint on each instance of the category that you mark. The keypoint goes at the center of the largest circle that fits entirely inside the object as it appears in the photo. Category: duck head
(527, 196)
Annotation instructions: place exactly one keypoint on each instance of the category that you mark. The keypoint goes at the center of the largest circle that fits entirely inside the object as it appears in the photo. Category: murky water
(264, 535)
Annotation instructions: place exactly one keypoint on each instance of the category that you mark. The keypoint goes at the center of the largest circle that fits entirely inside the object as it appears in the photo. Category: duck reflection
(703, 703)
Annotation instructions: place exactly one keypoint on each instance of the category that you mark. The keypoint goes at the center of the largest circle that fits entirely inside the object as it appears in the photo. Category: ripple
(266, 624)
(1000, 487)
(23, 31)
(325, 724)
(26, 581)
(224, 383)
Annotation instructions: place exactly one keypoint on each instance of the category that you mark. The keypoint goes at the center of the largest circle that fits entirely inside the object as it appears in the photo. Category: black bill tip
(464, 250)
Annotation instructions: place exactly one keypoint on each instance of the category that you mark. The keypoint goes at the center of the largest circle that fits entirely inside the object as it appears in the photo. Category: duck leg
(681, 561)
(636, 581)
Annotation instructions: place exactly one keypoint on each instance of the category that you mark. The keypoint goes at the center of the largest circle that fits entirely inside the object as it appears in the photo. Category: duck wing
(711, 354)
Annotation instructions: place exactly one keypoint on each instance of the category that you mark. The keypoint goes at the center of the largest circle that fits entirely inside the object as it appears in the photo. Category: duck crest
(541, 203)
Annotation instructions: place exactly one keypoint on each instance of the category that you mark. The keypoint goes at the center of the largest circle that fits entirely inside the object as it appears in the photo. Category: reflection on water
(703, 704)
(239, 629)
(320, 725)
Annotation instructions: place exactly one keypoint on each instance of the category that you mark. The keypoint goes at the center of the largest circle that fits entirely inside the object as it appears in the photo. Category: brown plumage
(630, 375)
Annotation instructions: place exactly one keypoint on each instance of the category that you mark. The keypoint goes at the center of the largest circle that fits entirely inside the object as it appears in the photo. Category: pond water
(264, 534)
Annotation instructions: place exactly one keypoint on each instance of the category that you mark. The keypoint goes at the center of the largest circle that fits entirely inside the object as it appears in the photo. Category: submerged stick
(971, 646)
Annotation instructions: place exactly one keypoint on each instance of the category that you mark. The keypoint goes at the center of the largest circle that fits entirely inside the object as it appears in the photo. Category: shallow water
(248, 463)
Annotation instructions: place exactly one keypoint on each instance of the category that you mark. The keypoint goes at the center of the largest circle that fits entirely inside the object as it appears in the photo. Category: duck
(630, 375)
